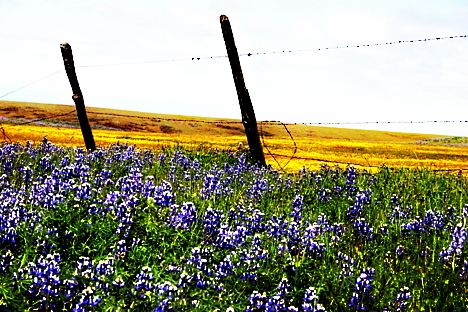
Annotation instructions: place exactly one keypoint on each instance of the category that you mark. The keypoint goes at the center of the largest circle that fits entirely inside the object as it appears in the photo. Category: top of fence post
(69, 64)
(247, 111)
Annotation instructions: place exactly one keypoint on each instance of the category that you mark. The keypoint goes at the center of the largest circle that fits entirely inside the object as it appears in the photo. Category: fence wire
(355, 46)
(35, 81)
(199, 58)
(260, 124)
(279, 123)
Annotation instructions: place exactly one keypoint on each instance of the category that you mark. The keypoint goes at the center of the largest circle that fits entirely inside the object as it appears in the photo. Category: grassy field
(178, 218)
(125, 229)
(310, 147)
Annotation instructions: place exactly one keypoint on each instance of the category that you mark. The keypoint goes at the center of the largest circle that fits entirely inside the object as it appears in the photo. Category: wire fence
(260, 124)
(244, 54)
(269, 122)
(265, 122)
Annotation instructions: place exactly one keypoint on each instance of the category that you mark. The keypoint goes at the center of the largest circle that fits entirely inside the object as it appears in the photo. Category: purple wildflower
(310, 301)
(347, 265)
(182, 217)
(459, 236)
(362, 289)
(297, 205)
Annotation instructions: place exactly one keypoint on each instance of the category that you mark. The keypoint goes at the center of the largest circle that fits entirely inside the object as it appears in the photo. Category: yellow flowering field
(364, 149)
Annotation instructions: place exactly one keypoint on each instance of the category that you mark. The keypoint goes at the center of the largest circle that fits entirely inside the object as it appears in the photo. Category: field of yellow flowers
(288, 147)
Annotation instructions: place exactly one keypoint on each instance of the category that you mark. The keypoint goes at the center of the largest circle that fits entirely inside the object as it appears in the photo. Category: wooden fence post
(77, 96)
(247, 111)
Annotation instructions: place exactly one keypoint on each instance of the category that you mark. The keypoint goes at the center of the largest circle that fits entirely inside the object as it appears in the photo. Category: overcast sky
(401, 82)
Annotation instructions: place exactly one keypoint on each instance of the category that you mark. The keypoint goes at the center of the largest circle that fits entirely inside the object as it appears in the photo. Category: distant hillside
(122, 120)
(287, 147)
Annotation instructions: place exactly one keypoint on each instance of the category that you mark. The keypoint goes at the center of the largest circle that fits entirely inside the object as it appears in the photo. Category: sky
(136, 42)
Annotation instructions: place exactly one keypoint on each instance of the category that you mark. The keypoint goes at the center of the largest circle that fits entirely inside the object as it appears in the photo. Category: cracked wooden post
(77, 96)
(247, 111)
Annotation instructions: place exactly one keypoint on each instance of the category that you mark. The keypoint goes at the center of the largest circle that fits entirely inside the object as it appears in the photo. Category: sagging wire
(35, 81)
(266, 147)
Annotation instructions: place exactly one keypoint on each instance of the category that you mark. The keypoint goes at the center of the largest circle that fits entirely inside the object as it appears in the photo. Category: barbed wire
(283, 124)
(268, 150)
(156, 61)
(275, 52)
(327, 161)
(243, 54)
(36, 120)
(260, 124)
(265, 122)
(378, 122)
(35, 81)
(355, 46)
(360, 165)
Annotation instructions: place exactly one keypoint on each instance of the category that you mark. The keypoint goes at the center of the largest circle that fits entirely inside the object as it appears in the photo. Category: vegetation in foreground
(122, 229)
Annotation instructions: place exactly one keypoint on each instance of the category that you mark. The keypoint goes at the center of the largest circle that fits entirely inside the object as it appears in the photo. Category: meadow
(310, 146)
(170, 214)
(203, 229)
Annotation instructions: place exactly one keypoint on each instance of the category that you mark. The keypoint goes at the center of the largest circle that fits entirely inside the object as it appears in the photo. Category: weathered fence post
(247, 111)
(77, 96)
